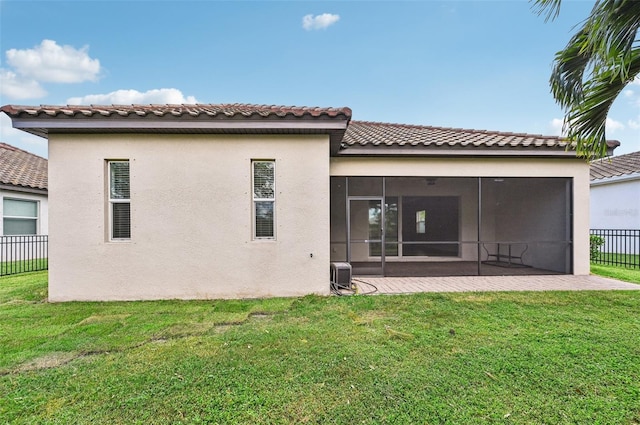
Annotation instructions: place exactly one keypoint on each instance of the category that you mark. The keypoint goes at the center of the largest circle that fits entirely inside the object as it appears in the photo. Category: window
(20, 217)
(119, 201)
(264, 199)
(421, 218)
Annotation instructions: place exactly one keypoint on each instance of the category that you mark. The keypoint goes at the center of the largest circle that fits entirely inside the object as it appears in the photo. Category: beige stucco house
(228, 201)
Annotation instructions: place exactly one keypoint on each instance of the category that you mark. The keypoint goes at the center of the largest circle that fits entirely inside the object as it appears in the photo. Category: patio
(407, 285)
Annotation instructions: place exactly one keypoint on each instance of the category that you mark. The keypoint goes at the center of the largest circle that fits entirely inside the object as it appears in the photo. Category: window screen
(263, 199)
(119, 200)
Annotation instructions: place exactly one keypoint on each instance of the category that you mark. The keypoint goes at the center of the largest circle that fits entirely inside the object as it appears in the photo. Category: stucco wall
(191, 217)
(616, 204)
(575, 169)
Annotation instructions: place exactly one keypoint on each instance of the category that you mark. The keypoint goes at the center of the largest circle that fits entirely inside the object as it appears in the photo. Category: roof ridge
(624, 155)
(7, 146)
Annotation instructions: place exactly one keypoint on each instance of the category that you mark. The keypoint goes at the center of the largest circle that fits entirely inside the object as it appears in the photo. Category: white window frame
(112, 201)
(36, 218)
(256, 200)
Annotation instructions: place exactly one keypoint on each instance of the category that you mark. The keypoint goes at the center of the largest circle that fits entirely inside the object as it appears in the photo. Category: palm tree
(601, 58)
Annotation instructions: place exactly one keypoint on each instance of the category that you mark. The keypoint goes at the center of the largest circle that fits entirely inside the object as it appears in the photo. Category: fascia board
(457, 152)
(615, 179)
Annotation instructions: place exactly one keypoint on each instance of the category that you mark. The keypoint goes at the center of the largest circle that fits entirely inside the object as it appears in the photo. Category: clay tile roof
(21, 168)
(235, 110)
(615, 166)
(364, 133)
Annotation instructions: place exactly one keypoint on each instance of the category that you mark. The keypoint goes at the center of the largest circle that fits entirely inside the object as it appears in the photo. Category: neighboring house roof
(616, 166)
(21, 170)
(348, 138)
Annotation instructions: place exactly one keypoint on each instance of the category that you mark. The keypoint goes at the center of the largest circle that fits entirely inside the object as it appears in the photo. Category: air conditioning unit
(341, 276)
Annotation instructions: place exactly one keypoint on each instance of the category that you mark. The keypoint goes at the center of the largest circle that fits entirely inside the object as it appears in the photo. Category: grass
(16, 267)
(616, 272)
(518, 358)
(619, 260)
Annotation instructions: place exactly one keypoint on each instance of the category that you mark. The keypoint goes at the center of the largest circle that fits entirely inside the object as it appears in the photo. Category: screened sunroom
(447, 226)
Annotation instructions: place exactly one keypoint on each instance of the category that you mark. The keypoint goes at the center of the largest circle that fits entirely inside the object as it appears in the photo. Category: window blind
(264, 199)
(119, 200)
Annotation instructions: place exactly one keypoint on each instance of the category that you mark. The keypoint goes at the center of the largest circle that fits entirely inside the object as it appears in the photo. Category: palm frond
(569, 68)
(586, 120)
(593, 69)
(550, 8)
(613, 30)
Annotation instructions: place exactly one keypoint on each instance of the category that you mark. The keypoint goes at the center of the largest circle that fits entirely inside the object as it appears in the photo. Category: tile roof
(220, 111)
(22, 169)
(362, 134)
(360, 137)
(615, 166)
(181, 119)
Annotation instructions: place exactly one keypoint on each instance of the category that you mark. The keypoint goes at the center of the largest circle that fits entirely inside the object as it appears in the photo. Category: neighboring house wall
(575, 169)
(23, 178)
(191, 217)
(42, 225)
(615, 202)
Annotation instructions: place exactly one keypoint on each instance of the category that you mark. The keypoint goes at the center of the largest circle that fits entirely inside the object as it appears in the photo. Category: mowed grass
(15, 267)
(616, 272)
(621, 259)
(468, 358)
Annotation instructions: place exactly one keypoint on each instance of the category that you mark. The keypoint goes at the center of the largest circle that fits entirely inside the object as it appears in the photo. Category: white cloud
(49, 62)
(634, 124)
(318, 22)
(632, 96)
(129, 97)
(611, 125)
(15, 87)
(555, 126)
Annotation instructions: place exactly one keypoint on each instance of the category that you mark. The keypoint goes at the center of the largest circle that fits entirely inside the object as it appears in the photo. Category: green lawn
(622, 260)
(467, 358)
(15, 267)
(616, 272)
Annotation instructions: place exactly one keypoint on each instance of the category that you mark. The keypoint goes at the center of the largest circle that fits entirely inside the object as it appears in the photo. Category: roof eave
(60, 125)
(335, 127)
(615, 179)
(24, 189)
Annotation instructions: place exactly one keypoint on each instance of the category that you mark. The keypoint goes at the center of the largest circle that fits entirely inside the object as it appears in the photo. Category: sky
(461, 64)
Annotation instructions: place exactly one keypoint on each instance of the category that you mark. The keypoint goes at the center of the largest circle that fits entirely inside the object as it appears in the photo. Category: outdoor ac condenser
(341, 275)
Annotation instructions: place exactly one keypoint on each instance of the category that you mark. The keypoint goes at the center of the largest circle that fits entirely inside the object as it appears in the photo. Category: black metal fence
(20, 254)
(621, 247)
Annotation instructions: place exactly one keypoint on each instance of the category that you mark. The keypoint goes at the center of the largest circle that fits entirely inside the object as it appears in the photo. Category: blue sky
(467, 64)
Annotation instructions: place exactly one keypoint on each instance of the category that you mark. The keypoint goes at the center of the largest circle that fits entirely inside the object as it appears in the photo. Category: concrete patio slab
(407, 285)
